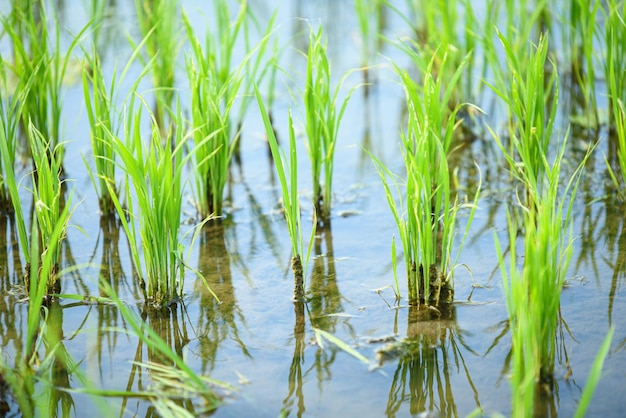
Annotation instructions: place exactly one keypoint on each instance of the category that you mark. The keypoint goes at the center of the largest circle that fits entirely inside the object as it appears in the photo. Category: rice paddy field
(312, 208)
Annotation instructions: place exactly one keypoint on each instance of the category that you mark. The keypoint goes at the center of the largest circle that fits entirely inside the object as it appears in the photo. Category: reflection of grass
(176, 390)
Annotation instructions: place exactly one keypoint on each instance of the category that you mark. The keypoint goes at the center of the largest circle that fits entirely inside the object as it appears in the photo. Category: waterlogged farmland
(312, 208)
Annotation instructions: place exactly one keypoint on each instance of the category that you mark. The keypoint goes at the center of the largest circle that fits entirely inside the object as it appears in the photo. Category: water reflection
(169, 325)
(60, 401)
(217, 320)
(322, 306)
(295, 394)
(429, 358)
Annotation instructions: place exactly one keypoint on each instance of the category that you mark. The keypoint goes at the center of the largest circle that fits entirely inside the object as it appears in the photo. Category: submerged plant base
(54, 284)
(298, 277)
(441, 290)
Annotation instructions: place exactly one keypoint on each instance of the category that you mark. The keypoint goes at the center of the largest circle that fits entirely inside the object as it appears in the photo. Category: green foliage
(39, 57)
(10, 113)
(533, 294)
(615, 38)
(288, 177)
(159, 24)
(154, 193)
(531, 97)
(426, 217)
(50, 203)
(99, 105)
(214, 86)
(323, 113)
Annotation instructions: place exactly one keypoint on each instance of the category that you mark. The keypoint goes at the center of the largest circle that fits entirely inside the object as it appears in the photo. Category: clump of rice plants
(580, 33)
(21, 376)
(50, 202)
(288, 176)
(615, 38)
(153, 198)
(214, 86)
(531, 96)
(10, 114)
(158, 21)
(533, 294)
(426, 211)
(323, 113)
(39, 57)
(98, 103)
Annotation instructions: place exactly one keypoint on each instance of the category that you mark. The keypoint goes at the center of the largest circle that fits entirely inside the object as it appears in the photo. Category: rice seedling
(153, 194)
(40, 58)
(615, 37)
(533, 294)
(436, 26)
(531, 97)
(21, 377)
(103, 121)
(10, 114)
(368, 12)
(288, 175)
(426, 217)
(159, 25)
(99, 110)
(50, 202)
(214, 86)
(594, 375)
(323, 114)
(581, 34)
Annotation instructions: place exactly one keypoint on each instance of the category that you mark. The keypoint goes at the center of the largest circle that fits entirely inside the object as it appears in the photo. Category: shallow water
(256, 339)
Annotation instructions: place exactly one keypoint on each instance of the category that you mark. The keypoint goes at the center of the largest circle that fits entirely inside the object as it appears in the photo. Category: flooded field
(352, 348)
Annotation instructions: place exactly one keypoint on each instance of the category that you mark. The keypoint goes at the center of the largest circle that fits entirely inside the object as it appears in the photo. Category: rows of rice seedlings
(159, 24)
(323, 114)
(288, 176)
(426, 216)
(431, 212)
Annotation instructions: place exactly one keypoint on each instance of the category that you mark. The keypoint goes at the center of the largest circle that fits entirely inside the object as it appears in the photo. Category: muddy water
(256, 339)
